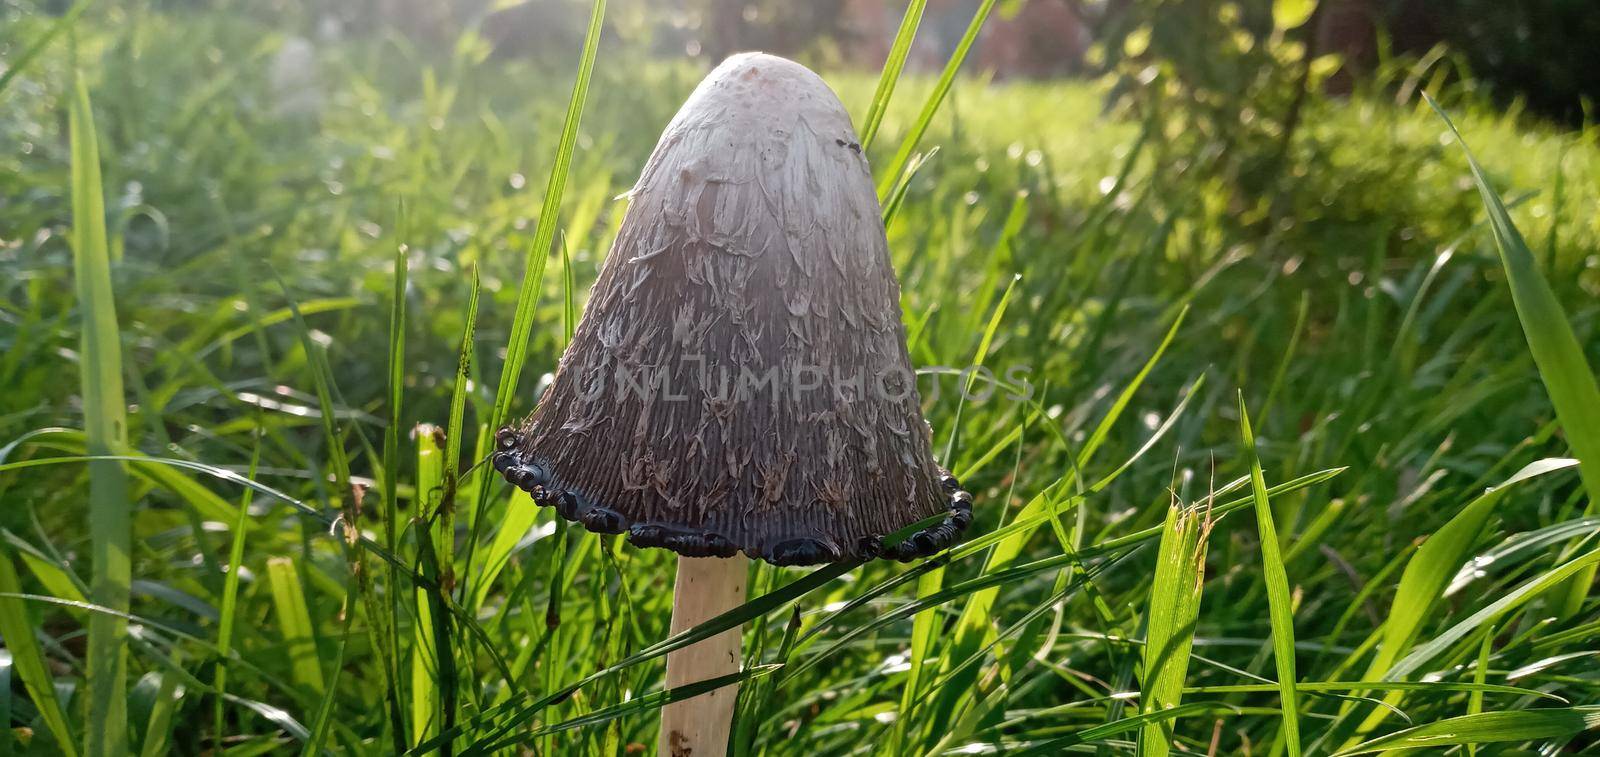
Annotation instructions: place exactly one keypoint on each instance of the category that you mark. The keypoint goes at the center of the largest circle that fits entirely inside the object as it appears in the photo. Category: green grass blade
(7, 738)
(1437, 561)
(1477, 688)
(1428, 574)
(569, 308)
(1567, 376)
(348, 499)
(892, 66)
(106, 431)
(427, 700)
(1280, 606)
(1480, 672)
(1174, 607)
(444, 527)
(1144, 720)
(633, 708)
(975, 617)
(897, 197)
(908, 146)
(230, 608)
(222, 474)
(17, 628)
(319, 728)
(518, 710)
(748, 722)
(276, 716)
(549, 220)
(1486, 728)
(294, 624)
(391, 477)
(923, 627)
(520, 516)
(205, 503)
(986, 342)
(51, 572)
(537, 258)
(1424, 653)
(158, 727)
(929, 583)
(919, 607)
(322, 381)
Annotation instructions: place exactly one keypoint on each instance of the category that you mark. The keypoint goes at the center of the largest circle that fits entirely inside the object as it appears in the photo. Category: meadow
(1294, 474)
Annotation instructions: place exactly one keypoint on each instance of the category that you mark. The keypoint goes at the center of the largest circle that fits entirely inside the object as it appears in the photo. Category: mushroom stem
(706, 588)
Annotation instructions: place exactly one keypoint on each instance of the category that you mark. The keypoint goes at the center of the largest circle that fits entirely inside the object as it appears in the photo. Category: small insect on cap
(739, 379)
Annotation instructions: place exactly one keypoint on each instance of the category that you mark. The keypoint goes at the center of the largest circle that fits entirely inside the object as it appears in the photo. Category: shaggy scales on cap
(739, 379)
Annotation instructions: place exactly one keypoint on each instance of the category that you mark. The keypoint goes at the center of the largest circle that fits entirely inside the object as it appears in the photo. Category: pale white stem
(706, 588)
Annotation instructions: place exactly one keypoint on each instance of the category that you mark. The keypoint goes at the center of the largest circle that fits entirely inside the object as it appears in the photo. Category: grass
(1562, 365)
(1280, 605)
(274, 299)
(105, 426)
(1169, 623)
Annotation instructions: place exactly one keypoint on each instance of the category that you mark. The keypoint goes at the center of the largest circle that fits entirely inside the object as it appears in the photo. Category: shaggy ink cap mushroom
(739, 380)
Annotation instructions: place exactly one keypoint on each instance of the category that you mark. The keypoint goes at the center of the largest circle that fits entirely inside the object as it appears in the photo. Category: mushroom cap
(739, 379)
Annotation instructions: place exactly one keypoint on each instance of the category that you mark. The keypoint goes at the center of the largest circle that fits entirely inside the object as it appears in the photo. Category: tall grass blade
(1480, 673)
(520, 516)
(897, 195)
(923, 626)
(390, 481)
(1174, 607)
(314, 514)
(427, 700)
(1428, 574)
(1486, 728)
(537, 258)
(1426, 652)
(975, 616)
(294, 624)
(1556, 351)
(444, 518)
(1144, 720)
(6, 737)
(908, 145)
(443, 529)
(517, 710)
(319, 728)
(17, 630)
(892, 66)
(1280, 606)
(1477, 688)
(549, 221)
(323, 382)
(105, 427)
(164, 705)
(230, 608)
(348, 499)
(634, 708)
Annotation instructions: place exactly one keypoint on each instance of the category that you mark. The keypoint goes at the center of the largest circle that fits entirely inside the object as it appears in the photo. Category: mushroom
(739, 381)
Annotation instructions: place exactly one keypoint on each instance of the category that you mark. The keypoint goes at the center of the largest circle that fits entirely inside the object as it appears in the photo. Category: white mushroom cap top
(739, 379)
(761, 97)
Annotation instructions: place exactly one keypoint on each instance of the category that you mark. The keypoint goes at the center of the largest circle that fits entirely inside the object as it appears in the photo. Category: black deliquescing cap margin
(536, 477)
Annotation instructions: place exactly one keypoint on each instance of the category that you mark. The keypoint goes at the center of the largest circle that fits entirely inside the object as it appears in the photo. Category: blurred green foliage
(1220, 88)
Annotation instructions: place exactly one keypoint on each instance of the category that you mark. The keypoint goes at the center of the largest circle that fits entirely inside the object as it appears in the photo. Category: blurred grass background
(261, 175)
